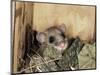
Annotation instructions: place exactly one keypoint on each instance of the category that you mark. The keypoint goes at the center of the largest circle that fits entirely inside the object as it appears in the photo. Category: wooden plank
(23, 17)
(16, 35)
(12, 29)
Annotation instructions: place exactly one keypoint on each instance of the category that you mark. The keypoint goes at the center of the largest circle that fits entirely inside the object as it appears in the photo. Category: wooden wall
(79, 20)
(23, 17)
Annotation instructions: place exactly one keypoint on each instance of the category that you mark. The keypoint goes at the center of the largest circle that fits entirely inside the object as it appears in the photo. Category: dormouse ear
(41, 37)
(62, 27)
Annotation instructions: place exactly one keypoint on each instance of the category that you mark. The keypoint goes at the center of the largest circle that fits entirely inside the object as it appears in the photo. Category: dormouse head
(55, 37)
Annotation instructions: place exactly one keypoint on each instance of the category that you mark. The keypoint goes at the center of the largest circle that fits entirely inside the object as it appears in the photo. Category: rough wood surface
(23, 17)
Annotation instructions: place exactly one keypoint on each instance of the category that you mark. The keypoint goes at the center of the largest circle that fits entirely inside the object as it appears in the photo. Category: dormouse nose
(62, 44)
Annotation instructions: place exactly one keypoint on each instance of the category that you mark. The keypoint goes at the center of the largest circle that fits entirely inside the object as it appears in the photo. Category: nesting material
(77, 56)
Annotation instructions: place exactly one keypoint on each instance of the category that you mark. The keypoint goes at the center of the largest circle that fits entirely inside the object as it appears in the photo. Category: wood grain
(79, 20)
(23, 17)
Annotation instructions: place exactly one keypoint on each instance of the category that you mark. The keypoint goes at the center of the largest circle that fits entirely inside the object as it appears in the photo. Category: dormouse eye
(51, 39)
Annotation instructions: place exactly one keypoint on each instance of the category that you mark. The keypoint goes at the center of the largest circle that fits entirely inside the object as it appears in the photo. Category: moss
(76, 56)
(51, 52)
